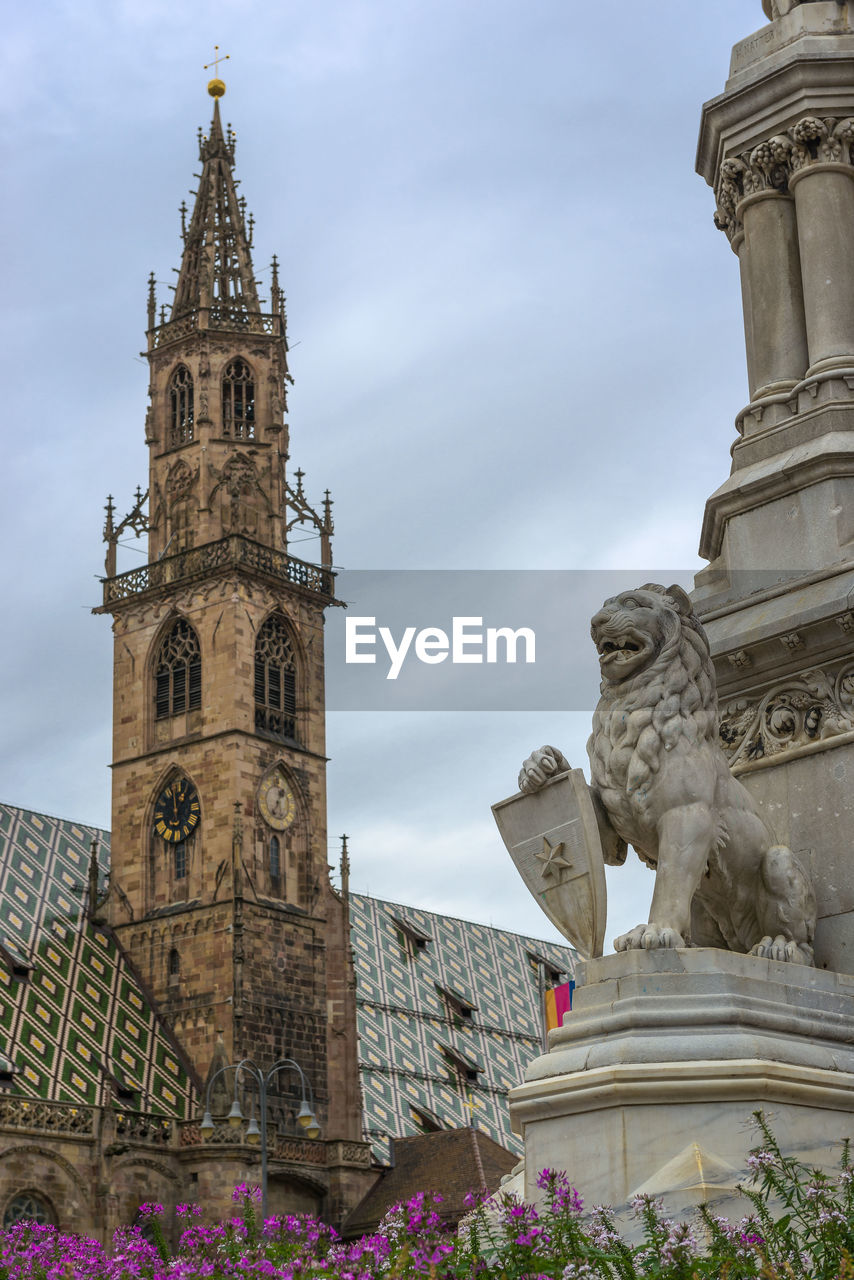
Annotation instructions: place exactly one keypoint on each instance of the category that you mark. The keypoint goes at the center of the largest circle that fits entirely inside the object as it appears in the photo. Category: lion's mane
(642, 717)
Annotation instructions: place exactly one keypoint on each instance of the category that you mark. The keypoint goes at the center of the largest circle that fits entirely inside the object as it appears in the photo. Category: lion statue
(661, 783)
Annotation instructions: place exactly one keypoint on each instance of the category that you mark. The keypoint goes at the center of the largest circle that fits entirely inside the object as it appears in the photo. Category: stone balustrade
(230, 552)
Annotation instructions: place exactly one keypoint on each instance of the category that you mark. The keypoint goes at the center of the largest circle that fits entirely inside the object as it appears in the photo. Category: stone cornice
(665, 1084)
(826, 458)
(812, 82)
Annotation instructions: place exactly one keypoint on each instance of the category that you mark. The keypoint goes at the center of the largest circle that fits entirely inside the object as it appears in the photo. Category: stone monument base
(651, 1083)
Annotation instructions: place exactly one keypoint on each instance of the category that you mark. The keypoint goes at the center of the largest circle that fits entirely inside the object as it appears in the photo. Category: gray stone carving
(779, 8)
(771, 165)
(795, 713)
(661, 783)
(553, 838)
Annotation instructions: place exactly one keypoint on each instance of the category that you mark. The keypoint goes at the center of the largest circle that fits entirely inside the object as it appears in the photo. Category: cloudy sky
(516, 339)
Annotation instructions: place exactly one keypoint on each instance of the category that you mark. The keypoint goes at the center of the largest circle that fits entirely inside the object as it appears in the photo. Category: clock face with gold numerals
(177, 812)
(276, 801)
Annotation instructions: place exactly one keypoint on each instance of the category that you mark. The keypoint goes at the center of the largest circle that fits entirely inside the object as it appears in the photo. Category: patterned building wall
(425, 1062)
(78, 1022)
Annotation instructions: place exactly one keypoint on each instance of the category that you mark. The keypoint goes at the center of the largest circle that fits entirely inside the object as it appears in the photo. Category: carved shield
(553, 838)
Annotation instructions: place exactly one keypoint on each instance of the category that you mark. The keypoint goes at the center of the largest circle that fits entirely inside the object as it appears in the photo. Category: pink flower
(151, 1210)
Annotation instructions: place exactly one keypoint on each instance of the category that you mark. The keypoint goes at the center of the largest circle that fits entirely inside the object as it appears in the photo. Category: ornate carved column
(822, 181)
(757, 212)
(775, 600)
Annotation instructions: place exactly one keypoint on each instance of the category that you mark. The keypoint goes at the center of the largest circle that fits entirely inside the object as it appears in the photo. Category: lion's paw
(649, 937)
(540, 766)
(782, 948)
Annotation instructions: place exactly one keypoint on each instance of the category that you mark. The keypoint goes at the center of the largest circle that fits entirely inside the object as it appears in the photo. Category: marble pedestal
(651, 1083)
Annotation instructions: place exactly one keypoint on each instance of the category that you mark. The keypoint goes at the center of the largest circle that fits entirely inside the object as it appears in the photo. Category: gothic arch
(163, 861)
(136, 1179)
(145, 1162)
(173, 678)
(29, 1204)
(279, 679)
(281, 843)
(302, 1179)
(41, 1171)
(238, 401)
(239, 497)
(44, 1153)
(180, 522)
(180, 408)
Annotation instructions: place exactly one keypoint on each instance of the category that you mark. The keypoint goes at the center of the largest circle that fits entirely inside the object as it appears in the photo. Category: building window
(462, 1072)
(459, 1010)
(544, 969)
(410, 938)
(178, 674)
(179, 862)
(181, 413)
(174, 958)
(238, 401)
(275, 858)
(275, 681)
(425, 1121)
(27, 1206)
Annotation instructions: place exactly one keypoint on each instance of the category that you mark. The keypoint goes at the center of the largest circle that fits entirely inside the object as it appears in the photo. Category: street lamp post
(256, 1130)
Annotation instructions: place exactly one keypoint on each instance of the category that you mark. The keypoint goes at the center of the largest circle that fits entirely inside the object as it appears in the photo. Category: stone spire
(216, 283)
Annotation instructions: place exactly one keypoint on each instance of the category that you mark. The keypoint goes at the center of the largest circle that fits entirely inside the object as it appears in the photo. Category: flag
(558, 1002)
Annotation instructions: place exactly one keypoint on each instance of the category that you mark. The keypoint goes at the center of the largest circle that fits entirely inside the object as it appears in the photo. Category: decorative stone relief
(794, 713)
(243, 501)
(179, 481)
(770, 165)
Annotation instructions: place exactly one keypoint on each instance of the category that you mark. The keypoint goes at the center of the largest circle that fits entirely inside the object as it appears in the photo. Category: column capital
(771, 166)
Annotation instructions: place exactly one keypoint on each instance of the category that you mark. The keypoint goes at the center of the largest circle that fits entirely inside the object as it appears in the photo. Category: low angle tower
(777, 146)
(219, 891)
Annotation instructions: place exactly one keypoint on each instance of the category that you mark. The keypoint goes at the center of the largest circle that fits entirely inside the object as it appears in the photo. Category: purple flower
(246, 1191)
(150, 1211)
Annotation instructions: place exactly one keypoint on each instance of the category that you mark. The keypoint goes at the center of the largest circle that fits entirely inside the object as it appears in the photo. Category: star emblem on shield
(552, 835)
(552, 858)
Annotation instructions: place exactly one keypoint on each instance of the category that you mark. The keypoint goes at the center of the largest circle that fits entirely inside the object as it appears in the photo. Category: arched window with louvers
(238, 401)
(276, 681)
(178, 672)
(181, 408)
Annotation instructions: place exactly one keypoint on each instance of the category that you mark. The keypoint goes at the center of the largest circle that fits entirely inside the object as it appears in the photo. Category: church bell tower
(220, 893)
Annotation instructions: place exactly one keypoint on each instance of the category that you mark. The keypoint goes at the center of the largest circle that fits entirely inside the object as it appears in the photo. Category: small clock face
(276, 801)
(177, 812)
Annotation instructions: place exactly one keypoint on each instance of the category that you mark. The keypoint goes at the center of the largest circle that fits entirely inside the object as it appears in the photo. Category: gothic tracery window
(27, 1206)
(178, 672)
(275, 680)
(181, 410)
(275, 858)
(238, 401)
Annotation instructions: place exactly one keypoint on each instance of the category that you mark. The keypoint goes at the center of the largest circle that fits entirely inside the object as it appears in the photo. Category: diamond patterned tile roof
(449, 1017)
(74, 1019)
(448, 1010)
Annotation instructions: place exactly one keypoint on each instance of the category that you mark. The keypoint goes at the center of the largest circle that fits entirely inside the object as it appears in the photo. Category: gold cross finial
(469, 1105)
(216, 60)
(216, 87)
